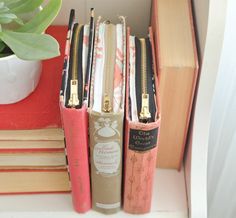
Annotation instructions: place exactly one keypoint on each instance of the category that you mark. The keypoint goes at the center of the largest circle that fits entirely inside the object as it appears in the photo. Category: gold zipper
(110, 55)
(145, 113)
(74, 99)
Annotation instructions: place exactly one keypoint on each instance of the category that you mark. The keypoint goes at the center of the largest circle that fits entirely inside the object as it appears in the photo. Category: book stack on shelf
(115, 113)
(32, 149)
(32, 161)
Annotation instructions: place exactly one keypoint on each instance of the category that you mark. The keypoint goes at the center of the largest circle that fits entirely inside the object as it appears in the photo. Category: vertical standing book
(73, 104)
(106, 115)
(142, 124)
(178, 69)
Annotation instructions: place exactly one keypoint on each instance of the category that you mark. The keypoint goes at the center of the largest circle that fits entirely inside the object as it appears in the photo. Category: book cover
(177, 60)
(141, 136)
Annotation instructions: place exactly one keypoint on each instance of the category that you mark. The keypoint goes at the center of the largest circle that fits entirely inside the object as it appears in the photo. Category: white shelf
(169, 201)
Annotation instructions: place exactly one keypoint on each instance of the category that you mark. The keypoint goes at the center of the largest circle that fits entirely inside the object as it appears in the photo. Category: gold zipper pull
(106, 104)
(74, 99)
(145, 113)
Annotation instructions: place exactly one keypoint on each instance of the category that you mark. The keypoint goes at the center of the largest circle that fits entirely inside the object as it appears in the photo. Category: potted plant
(23, 44)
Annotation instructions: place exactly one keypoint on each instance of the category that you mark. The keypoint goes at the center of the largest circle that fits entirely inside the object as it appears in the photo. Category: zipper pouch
(142, 124)
(73, 105)
(106, 115)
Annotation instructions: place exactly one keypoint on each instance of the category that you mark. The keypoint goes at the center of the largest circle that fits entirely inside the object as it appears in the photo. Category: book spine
(140, 164)
(140, 152)
(106, 140)
(76, 136)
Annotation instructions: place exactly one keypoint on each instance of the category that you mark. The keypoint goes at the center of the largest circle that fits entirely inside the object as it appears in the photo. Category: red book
(41, 108)
(75, 122)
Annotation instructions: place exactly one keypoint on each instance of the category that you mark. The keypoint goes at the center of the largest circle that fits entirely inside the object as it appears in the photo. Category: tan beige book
(33, 159)
(38, 135)
(33, 181)
(177, 70)
(34, 145)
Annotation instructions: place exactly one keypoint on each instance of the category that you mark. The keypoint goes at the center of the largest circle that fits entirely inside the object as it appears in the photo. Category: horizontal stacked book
(32, 148)
(32, 161)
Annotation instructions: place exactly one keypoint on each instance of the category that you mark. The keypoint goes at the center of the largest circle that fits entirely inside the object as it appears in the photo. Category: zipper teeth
(145, 113)
(74, 100)
(109, 64)
(143, 66)
(107, 57)
(75, 52)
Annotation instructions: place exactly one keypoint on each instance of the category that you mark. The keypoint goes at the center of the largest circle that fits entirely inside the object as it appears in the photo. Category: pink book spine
(139, 177)
(76, 133)
(139, 167)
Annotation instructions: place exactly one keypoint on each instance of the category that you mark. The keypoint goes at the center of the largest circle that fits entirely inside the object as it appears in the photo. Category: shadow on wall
(137, 12)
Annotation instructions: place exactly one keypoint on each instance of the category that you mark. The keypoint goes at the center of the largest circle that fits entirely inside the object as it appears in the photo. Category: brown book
(106, 117)
(178, 69)
(34, 181)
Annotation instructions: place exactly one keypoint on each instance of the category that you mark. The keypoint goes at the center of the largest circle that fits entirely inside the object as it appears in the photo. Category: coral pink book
(75, 123)
(41, 108)
(141, 126)
(74, 113)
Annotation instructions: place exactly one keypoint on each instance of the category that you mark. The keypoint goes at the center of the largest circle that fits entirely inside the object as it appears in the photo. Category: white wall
(222, 140)
(211, 25)
(201, 12)
(137, 12)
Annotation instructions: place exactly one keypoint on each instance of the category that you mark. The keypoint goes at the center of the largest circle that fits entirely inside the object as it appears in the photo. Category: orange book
(177, 60)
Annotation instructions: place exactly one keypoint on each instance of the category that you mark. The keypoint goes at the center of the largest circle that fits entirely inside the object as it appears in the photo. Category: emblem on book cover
(105, 127)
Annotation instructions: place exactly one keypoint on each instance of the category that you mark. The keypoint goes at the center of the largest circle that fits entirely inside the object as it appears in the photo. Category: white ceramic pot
(18, 78)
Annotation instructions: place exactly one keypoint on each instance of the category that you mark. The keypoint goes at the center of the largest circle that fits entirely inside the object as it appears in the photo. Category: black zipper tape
(150, 77)
(65, 64)
(70, 64)
(89, 60)
(63, 82)
(80, 67)
(150, 80)
(138, 77)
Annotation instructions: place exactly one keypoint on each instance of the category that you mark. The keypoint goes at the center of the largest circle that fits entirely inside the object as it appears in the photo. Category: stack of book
(32, 149)
(32, 161)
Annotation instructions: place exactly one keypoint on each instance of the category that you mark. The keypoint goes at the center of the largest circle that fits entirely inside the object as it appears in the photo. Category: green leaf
(8, 15)
(31, 46)
(3, 8)
(4, 55)
(7, 18)
(2, 46)
(43, 19)
(19, 21)
(8, 2)
(25, 6)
